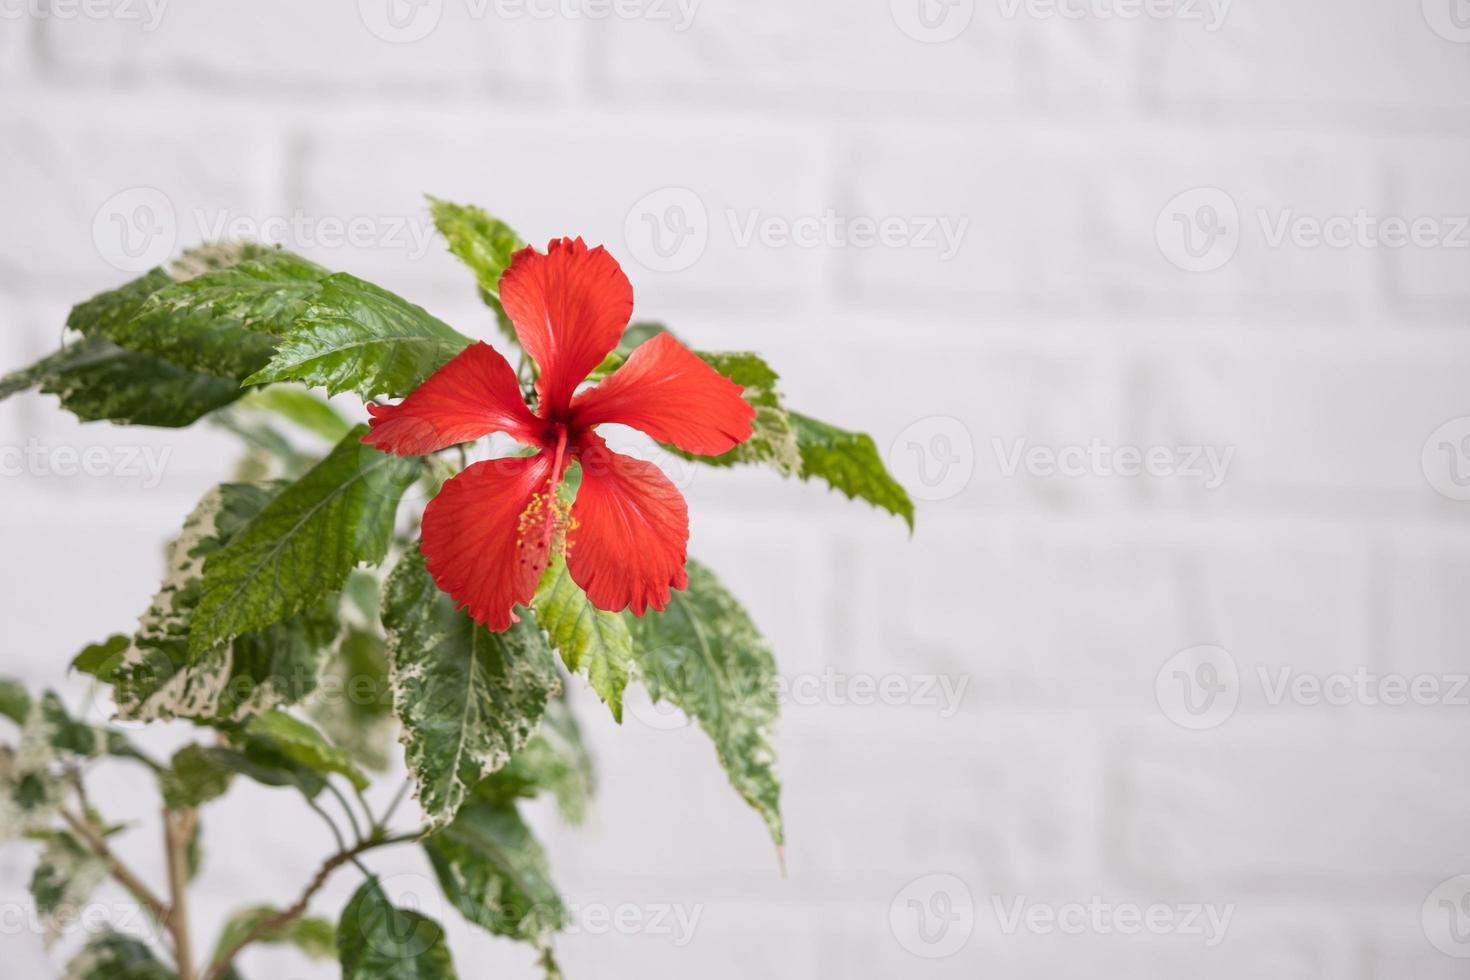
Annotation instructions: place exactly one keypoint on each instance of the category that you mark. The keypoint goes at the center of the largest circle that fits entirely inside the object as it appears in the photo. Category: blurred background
(1156, 306)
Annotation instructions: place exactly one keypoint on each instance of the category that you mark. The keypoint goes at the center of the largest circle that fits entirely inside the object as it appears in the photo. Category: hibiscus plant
(308, 614)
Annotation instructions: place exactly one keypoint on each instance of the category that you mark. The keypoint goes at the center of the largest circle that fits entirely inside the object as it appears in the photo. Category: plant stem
(178, 830)
(285, 917)
(119, 871)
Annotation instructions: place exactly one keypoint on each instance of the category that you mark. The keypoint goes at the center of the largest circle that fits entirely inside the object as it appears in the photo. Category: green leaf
(96, 379)
(302, 408)
(303, 544)
(704, 655)
(157, 678)
(317, 938)
(849, 462)
(591, 641)
(15, 702)
(378, 941)
(196, 775)
(304, 744)
(354, 336)
(65, 877)
(468, 698)
(354, 703)
(484, 243)
(108, 311)
(30, 791)
(257, 757)
(100, 659)
(112, 956)
(494, 871)
(223, 322)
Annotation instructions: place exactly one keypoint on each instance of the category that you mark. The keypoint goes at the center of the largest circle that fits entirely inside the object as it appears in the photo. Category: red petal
(488, 534)
(630, 531)
(669, 393)
(569, 307)
(470, 397)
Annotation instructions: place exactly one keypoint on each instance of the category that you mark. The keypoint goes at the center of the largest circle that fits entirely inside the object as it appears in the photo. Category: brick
(1044, 231)
(1312, 423)
(1023, 607)
(280, 45)
(1193, 804)
(1429, 185)
(105, 197)
(822, 52)
(1380, 63)
(1274, 940)
(15, 50)
(1423, 576)
(726, 169)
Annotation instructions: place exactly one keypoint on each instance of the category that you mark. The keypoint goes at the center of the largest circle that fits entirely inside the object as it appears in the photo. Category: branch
(285, 917)
(178, 830)
(135, 885)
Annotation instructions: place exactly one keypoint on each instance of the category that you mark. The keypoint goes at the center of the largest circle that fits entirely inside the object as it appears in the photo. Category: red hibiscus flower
(491, 531)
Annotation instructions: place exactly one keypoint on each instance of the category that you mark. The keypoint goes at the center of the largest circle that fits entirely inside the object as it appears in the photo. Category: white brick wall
(1070, 314)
